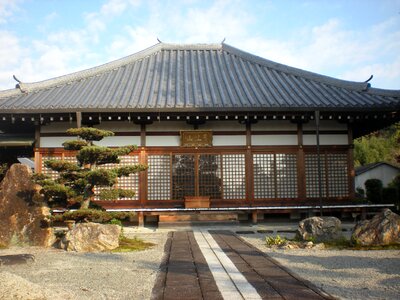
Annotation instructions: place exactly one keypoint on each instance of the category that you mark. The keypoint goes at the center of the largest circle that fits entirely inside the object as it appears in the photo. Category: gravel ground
(345, 274)
(57, 274)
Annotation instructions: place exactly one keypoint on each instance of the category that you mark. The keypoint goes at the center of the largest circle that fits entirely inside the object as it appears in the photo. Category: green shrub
(374, 190)
(360, 193)
(277, 240)
(93, 215)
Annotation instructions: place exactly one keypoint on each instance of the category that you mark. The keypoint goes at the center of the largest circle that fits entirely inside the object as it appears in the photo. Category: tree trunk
(85, 204)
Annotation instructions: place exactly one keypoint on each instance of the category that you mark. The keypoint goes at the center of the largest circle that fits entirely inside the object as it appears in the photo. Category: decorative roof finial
(158, 40)
(369, 79)
(223, 40)
(16, 79)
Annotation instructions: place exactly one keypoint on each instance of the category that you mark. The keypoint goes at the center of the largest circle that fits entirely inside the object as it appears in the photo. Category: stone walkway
(216, 264)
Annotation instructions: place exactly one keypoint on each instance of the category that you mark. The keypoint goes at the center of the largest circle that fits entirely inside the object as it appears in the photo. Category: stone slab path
(213, 264)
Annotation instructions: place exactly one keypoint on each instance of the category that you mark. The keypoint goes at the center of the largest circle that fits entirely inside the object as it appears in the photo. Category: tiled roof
(362, 169)
(200, 77)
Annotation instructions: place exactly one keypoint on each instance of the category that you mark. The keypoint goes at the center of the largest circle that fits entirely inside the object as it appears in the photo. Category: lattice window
(264, 175)
(312, 181)
(183, 176)
(210, 181)
(286, 175)
(49, 172)
(159, 177)
(234, 176)
(130, 182)
(275, 175)
(337, 175)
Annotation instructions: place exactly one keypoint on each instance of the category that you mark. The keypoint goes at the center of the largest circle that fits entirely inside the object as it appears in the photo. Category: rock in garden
(382, 229)
(319, 229)
(21, 219)
(92, 237)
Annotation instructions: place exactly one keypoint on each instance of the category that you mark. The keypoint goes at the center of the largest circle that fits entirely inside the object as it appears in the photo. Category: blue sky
(343, 38)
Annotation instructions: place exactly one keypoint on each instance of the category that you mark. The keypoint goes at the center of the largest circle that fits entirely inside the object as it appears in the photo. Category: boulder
(319, 229)
(382, 229)
(92, 237)
(22, 220)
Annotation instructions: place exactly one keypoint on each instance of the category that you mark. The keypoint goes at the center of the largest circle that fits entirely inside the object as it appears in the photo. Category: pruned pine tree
(76, 182)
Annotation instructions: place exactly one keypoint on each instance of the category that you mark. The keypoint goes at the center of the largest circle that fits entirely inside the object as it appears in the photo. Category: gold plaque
(196, 138)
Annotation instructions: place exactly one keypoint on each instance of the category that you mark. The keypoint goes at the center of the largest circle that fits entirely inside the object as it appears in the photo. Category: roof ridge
(353, 85)
(22, 87)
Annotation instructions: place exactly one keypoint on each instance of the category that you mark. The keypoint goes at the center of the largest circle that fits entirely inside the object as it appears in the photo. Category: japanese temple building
(211, 122)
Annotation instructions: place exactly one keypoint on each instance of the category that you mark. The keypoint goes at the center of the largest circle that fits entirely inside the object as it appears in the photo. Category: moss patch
(135, 244)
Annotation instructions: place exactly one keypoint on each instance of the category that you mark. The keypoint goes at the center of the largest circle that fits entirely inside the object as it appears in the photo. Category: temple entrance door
(196, 175)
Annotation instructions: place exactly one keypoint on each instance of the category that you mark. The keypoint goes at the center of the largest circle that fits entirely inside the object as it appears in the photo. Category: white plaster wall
(223, 126)
(57, 127)
(54, 141)
(169, 126)
(112, 141)
(163, 141)
(325, 125)
(274, 140)
(325, 139)
(119, 126)
(229, 140)
(383, 172)
(273, 125)
(61, 127)
(118, 141)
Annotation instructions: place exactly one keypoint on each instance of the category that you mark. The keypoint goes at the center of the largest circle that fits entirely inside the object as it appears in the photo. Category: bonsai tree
(76, 182)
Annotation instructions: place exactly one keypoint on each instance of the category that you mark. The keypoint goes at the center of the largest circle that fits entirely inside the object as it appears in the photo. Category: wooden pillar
(254, 219)
(350, 162)
(143, 161)
(140, 219)
(301, 169)
(37, 135)
(38, 161)
(143, 135)
(78, 119)
(249, 166)
(37, 156)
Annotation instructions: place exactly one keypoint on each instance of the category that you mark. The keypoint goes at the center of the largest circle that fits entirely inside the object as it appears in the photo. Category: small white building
(380, 170)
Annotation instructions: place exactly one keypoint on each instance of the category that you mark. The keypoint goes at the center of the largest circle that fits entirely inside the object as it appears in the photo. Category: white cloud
(7, 9)
(329, 48)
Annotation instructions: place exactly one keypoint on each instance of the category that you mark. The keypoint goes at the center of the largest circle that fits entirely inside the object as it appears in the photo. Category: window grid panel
(183, 176)
(264, 176)
(159, 177)
(130, 182)
(234, 178)
(337, 175)
(286, 175)
(210, 181)
(47, 171)
(312, 182)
